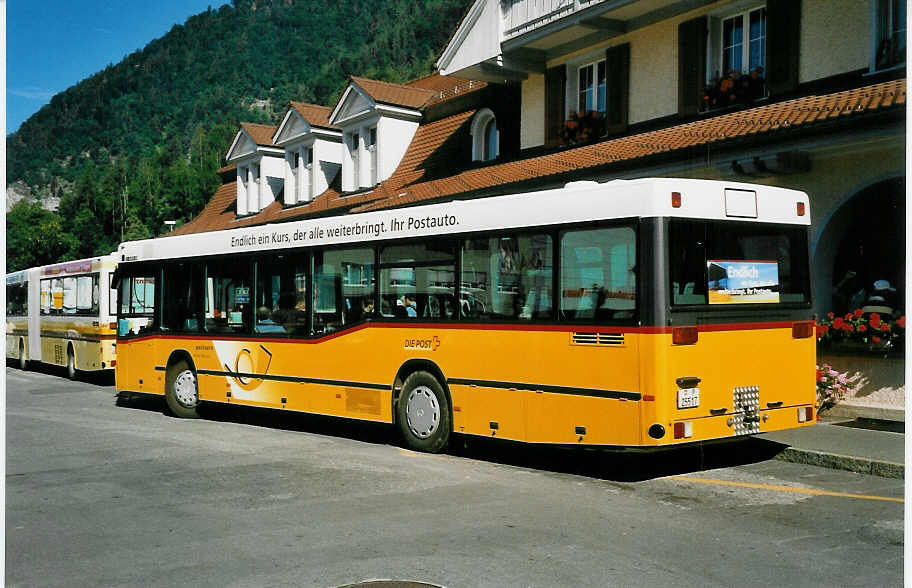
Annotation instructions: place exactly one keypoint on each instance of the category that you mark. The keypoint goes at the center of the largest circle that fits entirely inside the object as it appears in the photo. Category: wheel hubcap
(185, 389)
(423, 412)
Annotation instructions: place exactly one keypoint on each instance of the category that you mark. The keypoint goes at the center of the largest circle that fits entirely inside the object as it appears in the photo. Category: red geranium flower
(862, 328)
(838, 324)
(858, 313)
(885, 327)
(902, 322)
(875, 320)
(849, 316)
(830, 315)
(876, 339)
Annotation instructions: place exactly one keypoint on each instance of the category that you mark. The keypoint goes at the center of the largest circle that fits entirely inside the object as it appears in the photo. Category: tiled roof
(395, 94)
(781, 116)
(317, 116)
(261, 134)
(437, 147)
(446, 87)
(215, 215)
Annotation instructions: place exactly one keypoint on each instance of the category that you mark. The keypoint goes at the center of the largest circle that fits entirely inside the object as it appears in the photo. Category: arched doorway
(862, 243)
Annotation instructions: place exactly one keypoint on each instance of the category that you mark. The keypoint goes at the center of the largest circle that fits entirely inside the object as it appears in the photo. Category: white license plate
(689, 398)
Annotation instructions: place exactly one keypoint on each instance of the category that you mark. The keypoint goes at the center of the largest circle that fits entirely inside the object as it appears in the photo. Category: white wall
(393, 138)
(532, 116)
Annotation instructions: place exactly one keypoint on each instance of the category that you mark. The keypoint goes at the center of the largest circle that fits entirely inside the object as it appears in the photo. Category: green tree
(34, 236)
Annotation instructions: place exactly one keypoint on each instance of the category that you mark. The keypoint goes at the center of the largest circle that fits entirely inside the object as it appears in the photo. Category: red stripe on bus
(475, 327)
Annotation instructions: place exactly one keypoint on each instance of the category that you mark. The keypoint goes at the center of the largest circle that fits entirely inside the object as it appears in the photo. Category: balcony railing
(522, 16)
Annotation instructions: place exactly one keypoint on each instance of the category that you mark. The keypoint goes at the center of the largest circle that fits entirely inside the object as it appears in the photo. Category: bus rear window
(729, 263)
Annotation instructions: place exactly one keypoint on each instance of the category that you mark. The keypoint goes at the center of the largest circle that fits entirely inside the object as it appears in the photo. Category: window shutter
(555, 98)
(783, 26)
(691, 65)
(617, 88)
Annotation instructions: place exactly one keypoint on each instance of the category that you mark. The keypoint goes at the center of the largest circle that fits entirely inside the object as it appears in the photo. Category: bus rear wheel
(71, 364)
(423, 413)
(23, 364)
(181, 391)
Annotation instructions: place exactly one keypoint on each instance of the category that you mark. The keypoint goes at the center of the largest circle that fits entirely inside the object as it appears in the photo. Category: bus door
(34, 314)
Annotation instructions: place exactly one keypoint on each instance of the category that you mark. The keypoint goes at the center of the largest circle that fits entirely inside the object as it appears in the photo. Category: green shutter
(783, 26)
(691, 65)
(617, 88)
(555, 98)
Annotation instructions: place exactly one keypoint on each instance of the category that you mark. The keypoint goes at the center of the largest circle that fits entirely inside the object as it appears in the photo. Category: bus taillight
(676, 200)
(684, 335)
(801, 209)
(805, 414)
(684, 430)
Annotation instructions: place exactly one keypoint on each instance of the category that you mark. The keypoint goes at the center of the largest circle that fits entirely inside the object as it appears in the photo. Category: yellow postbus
(63, 314)
(635, 313)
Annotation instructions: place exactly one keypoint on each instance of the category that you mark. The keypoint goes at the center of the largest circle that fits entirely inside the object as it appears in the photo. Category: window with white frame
(485, 136)
(889, 33)
(372, 153)
(743, 41)
(309, 166)
(355, 148)
(591, 87)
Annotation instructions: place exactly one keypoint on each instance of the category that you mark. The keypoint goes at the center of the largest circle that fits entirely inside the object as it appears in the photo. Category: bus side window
(507, 277)
(598, 279)
(418, 279)
(228, 293)
(344, 286)
(181, 297)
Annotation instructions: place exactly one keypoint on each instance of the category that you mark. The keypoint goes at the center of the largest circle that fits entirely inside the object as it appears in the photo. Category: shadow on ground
(95, 378)
(605, 464)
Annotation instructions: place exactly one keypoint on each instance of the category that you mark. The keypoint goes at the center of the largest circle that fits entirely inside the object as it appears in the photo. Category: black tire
(423, 413)
(71, 364)
(182, 390)
(23, 364)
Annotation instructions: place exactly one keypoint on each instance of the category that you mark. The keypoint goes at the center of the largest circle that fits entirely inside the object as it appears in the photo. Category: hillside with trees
(139, 142)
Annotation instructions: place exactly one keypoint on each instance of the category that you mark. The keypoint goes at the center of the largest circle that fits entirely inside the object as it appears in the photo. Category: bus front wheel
(181, 391)
(424, 413)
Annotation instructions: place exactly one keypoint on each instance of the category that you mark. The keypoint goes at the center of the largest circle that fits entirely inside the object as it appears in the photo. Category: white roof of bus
(76, 266)
(576, 202)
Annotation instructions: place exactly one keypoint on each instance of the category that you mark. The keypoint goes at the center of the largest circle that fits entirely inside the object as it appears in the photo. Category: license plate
(689, 398)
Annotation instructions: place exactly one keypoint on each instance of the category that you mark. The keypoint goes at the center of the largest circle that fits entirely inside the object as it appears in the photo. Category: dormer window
(485, 136)
(372, 153)
(313, 151)
(260, 168)
(355, 147)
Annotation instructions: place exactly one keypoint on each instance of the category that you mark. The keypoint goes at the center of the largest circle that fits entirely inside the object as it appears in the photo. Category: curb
(850, 411)
(860, 465)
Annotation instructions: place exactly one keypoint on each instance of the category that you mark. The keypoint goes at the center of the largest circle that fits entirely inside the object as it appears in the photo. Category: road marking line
(783, 488)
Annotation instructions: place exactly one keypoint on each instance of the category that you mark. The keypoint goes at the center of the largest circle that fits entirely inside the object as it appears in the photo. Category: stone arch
(864, 233)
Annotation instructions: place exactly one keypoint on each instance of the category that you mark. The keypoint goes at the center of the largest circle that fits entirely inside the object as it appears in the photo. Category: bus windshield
(729, 263)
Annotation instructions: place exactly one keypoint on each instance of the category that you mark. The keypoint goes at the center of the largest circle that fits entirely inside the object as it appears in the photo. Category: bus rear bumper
(740, 424)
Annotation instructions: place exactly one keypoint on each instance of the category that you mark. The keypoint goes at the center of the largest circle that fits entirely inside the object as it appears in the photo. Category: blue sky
(53, 44)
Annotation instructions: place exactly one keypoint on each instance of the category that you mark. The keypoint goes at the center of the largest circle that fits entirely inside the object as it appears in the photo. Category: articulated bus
(633, 313)
(63, 314)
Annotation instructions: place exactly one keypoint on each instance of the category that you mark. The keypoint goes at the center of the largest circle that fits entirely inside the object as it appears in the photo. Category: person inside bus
(408, 301)
(367, 308)
(265, 324)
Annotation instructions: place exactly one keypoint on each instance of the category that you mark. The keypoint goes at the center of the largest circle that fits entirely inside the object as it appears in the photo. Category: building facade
(531, 94)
